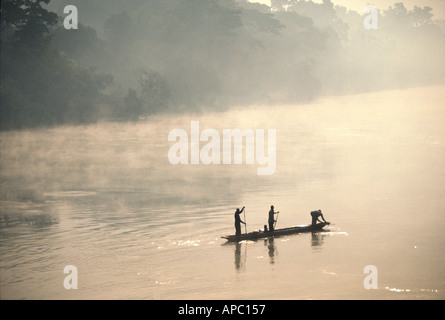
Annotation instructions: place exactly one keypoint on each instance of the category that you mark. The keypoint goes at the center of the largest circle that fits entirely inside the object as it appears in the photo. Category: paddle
(275, 223)
(245, 223)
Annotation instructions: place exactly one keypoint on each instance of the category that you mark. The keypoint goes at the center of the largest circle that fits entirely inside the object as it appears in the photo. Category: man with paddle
(238, 221)
(272, 218)
(315, 215)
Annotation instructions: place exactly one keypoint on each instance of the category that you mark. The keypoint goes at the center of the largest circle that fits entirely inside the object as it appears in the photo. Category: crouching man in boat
(272, 220)
(315, 215)
(238, 221)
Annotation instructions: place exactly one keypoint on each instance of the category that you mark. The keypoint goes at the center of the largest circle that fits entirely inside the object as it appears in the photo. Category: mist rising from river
(105, 198)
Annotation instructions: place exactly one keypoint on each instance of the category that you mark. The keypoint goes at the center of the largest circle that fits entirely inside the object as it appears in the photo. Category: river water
(105, 199)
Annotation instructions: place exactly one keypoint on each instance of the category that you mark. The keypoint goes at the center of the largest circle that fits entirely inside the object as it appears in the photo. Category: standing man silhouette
(272, 218)
(238, 221)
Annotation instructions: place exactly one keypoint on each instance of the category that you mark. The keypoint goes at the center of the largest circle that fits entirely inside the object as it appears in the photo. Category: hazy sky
(358, 5)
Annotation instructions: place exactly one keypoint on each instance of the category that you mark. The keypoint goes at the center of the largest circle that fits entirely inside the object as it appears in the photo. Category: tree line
(130, 59)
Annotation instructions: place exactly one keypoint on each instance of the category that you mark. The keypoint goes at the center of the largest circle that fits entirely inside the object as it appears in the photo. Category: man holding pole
(238, 221)
(272, 218)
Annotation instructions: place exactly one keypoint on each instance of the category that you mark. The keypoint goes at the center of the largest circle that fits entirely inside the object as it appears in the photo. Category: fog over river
(105, 199)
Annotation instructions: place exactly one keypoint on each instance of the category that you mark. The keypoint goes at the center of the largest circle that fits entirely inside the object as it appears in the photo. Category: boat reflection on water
(241, 252)
(271, 249)
(270, 244)
(317, 241)
(240, 258)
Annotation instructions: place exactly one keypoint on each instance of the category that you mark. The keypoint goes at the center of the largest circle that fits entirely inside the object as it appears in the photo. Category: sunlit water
(105, 199)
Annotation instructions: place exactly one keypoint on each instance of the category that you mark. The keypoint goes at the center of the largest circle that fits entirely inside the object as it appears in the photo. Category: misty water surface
(105, 199)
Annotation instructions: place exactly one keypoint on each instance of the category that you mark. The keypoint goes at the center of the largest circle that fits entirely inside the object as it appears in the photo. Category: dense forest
(131, 59)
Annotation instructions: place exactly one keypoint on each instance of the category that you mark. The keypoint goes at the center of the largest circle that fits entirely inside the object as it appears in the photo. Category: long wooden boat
(278, 232)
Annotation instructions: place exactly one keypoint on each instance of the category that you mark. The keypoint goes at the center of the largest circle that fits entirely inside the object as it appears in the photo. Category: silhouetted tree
(31, 22)
(38, 85)
(155, 94)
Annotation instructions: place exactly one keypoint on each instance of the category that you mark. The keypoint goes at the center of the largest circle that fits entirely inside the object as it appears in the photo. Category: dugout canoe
(278, 232)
